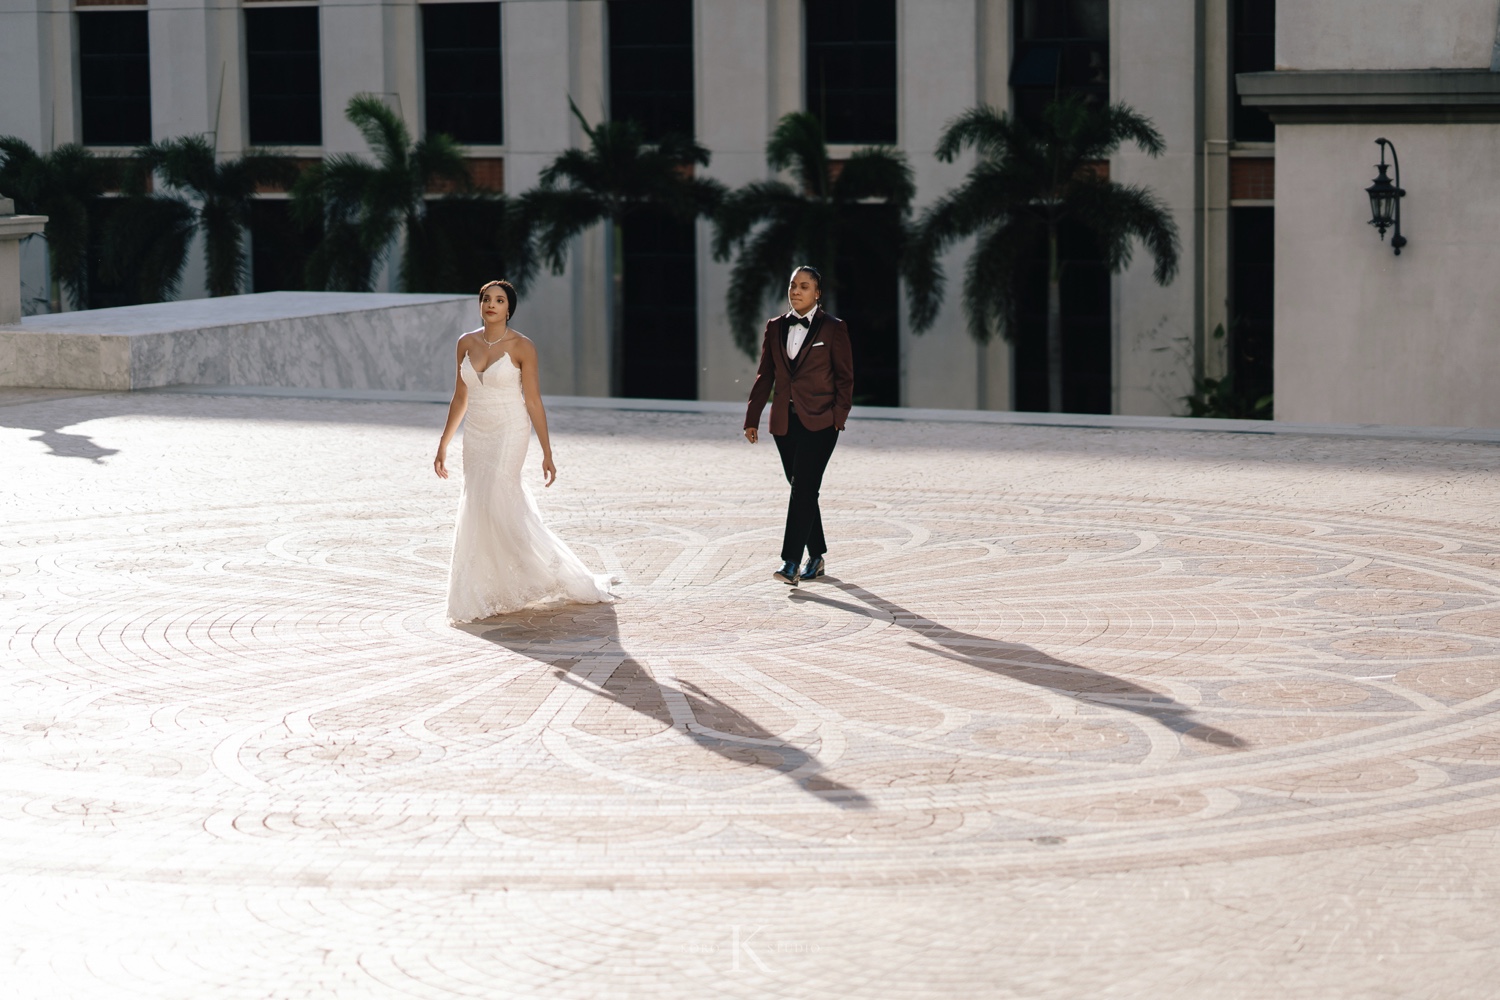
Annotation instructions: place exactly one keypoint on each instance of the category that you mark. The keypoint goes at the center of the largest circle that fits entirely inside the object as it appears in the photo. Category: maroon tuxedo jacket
(819, 381)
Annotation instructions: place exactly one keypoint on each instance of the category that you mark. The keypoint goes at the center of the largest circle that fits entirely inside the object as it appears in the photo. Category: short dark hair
(817, 275)
(510, 293)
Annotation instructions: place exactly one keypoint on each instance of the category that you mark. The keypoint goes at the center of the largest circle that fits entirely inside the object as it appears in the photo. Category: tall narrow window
(1254, 45)
(114, 77)
(651, 65)
(1062, 47)
(869, 300)
(461, 45)
(651, 83)
(285, 76)
(661, 330)
(1086, 327)
(1252, 293)
(851, 68)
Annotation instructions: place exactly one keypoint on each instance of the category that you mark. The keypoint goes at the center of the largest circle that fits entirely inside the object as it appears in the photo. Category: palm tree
(463, 240)
(809, 222)
(366, 208)
(1030, 181)
(619, 175)
(63, 185)
(145, 243)
(223, 191)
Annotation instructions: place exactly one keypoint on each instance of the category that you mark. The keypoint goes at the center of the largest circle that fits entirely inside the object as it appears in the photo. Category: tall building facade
(498, 76)
(1364, 335)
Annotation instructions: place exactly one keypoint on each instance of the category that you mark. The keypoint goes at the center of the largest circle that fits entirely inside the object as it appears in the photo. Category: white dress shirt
(797, 334)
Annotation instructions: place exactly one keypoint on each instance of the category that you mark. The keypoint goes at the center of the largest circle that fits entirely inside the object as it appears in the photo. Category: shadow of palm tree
(1028, 665)
(580, 642)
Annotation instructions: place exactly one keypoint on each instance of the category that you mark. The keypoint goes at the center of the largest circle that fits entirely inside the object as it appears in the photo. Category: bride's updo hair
(510, 294)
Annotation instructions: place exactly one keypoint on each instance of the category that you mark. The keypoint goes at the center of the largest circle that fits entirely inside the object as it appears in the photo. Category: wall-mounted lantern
(1385, 198)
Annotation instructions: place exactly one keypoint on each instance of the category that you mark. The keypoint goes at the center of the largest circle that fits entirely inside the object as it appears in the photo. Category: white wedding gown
(504, 557)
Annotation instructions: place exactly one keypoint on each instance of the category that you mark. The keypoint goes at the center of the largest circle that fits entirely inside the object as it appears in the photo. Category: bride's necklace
(487, 340)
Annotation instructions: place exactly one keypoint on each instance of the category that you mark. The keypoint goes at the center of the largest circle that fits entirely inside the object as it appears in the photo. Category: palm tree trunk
(617, 308)
(1054, 325)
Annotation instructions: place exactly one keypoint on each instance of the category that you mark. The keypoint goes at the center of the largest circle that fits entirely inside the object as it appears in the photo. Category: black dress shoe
(787, 574)
(814, 569)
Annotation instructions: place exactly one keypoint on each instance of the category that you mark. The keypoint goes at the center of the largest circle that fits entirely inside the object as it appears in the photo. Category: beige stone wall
(1361, 334)
(1385, 34)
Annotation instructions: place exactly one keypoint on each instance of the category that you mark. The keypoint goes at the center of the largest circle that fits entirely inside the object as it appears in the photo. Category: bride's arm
(531, 389)
(456, 411)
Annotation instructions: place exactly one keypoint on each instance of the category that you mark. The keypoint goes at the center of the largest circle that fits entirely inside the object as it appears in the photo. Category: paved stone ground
(1081, 713)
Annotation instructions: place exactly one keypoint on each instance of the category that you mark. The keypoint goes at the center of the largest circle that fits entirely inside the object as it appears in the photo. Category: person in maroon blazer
(806, 357)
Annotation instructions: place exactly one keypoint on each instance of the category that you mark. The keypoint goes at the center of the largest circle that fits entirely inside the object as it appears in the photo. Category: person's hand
(751, 435)
(839, 427)
(440, 464)
(549, 471)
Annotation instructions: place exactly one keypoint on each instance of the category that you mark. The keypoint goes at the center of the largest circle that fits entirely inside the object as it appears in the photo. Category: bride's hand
(440, 464)
(549, 471)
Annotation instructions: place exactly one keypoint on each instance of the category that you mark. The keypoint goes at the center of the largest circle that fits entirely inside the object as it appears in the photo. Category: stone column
(736, 111)
(939, 79)
(1155, 328)
(13, 229)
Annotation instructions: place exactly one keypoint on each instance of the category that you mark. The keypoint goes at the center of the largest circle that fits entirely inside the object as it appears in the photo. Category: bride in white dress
(504, 557)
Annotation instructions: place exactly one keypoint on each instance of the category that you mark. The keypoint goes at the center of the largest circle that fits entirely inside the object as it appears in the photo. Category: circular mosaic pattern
(1036, 663)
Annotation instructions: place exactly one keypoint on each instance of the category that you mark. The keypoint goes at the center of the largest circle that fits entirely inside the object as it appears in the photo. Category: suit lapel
(807, 341)
(812, 330)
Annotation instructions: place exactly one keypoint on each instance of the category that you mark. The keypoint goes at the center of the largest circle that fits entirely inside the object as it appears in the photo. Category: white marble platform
(324, 340)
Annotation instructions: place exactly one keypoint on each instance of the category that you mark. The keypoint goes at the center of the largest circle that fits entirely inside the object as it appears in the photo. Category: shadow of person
(74, 446)
(582, 645)
(47, 411)
(1028, 665)
(51, 434)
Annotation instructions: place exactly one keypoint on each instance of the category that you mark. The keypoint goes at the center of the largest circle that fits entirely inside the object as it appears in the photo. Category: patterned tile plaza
(1078, 713)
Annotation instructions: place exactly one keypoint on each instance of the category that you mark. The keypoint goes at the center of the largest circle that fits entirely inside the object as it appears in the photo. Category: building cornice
(1307, 97)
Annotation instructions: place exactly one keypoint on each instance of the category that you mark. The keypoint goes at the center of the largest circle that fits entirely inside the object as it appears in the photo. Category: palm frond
(222, 221)
(187, 163)
(688, 198)
(922, 273)
(682, 150)
(744, 208)
(797, 143)
(617, 175)
(992, 133)
(876, 172)
(146, 245)
(588, 130)
(382, 129)
(993, 278)
(1122, 123)
(574, 168)
(555, 217)
(759, 271)
(1120, 214)
(62, 185)
(439, 158)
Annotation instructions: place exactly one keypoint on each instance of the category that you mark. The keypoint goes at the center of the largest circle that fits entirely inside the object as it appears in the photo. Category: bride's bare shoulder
(523, 345)
(465, 338)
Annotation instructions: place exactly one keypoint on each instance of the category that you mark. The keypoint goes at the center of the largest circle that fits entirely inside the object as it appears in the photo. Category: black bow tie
(800, 321)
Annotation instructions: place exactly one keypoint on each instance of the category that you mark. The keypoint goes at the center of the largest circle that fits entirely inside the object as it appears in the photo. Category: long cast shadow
(1028, 665)
(578, 643)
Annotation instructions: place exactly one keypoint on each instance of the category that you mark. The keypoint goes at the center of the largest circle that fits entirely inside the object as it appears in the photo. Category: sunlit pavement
(1076, 714)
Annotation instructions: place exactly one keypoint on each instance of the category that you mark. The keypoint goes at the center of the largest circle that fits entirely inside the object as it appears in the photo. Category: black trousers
(804, 456)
